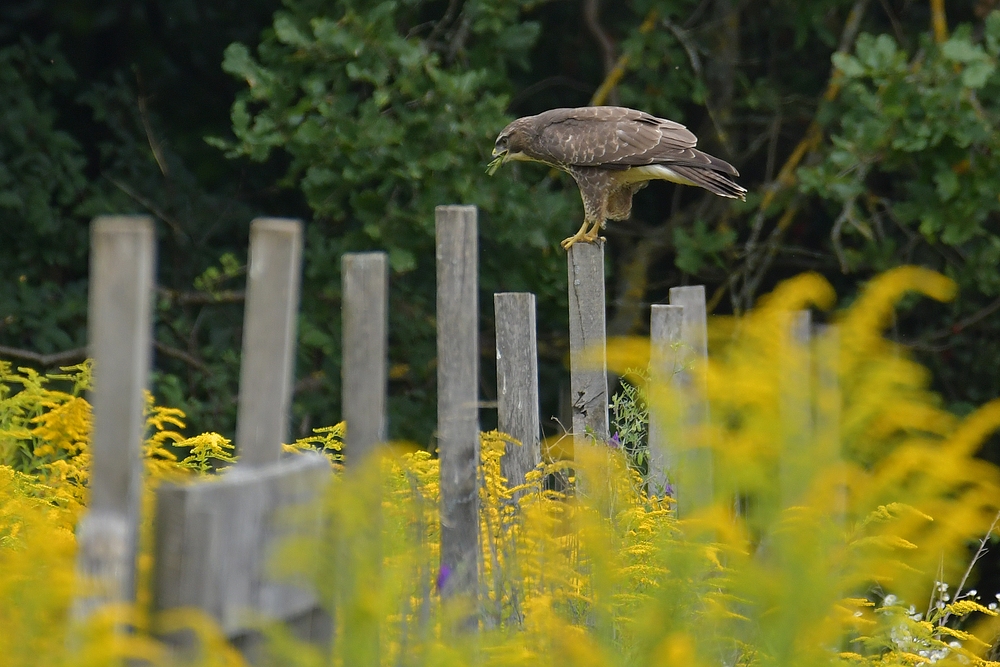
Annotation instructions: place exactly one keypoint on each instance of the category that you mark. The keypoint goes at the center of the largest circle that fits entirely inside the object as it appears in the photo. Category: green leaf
(992, 32)
(848, 64)
(236, 60)
(947, 183)
(289, 33)
(962, 50)
(976, 74)
(876, 53)
(402, 260)
(700, 246)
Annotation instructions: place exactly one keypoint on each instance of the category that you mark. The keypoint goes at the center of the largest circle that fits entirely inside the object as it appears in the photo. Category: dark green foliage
(360, 116)
(910, 176)
(44, 197)
(386, 117)
(117, 125)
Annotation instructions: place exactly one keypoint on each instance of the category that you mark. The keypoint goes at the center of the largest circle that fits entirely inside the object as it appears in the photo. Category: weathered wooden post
(365, 279)
(366, 289)
(517, 384)
(216, 539)
(694, 487)
(268, 359)
(796, 409)
(458, 401)
(587, 343)
(665, 338)
(827, 409)
(122, 268)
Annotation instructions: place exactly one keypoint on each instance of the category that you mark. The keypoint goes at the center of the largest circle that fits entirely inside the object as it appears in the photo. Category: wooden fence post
(694, 488)
(458, 400)
(122, 269)
(665, 337)
(827, 412)
(268, 359)
(365, 284)
(796, 408)
(215, 539)
(517, 384)
(365, 280)
(587, 343)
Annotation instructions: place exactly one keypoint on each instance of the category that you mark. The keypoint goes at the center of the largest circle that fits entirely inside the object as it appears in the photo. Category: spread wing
(616, 137)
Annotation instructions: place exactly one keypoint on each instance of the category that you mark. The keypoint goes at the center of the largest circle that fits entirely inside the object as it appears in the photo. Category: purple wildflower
(443, 575)
(615, 442)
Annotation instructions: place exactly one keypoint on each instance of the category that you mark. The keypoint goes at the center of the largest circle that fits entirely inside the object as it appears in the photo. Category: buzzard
(611, 153)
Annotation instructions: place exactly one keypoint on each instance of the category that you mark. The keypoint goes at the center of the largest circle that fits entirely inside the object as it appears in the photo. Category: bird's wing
(616, 137)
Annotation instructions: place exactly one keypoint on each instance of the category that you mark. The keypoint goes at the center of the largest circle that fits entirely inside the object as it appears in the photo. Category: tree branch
(786, 178)
(154, 144)
(591, 17)
(48, 360)
(692, 53)
(720, 74)
(966, 322)
(181, 355)
(939, 21)
(612, 78)
(201, 298)
(150, 206)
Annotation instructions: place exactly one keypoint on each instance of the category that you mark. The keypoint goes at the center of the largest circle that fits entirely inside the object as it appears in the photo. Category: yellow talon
(581, 235)
(592, 235)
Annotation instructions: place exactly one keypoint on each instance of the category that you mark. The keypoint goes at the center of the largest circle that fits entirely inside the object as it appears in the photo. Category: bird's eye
(502, 142)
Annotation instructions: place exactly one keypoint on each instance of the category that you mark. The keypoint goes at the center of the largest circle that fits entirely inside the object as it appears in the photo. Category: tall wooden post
(458, 399)
(122, 268)
(827, 413)
(268, 360)
(587, 343)
(517, 384)
(694, 466)
(796, 408)
(365, 280)
(365, 311)
(665, 338)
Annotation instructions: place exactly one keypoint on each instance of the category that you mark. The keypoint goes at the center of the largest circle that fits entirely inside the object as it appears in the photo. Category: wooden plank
(365, 312)
(694, 487)
(517, 384)
(587, 343)
(665, 337)
(796, 409)
(122, 269)
(458, 392)
(216, 542)
(269, 330)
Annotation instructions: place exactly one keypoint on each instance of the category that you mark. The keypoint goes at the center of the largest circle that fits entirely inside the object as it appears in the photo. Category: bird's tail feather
(711, 180)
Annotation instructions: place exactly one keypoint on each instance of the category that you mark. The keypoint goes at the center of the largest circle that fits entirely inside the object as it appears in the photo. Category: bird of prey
(611, 153)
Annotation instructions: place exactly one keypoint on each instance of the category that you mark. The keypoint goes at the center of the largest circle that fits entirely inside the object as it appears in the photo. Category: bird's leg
(580, 235)
(592, 235)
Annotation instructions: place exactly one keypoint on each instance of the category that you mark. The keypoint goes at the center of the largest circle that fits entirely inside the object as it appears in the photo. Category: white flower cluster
(903, 638)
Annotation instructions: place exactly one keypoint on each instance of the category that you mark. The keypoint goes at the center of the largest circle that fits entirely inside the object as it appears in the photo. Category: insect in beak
(495, 163)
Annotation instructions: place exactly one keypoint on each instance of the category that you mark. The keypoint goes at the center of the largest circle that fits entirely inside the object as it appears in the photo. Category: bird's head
(509, 145)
